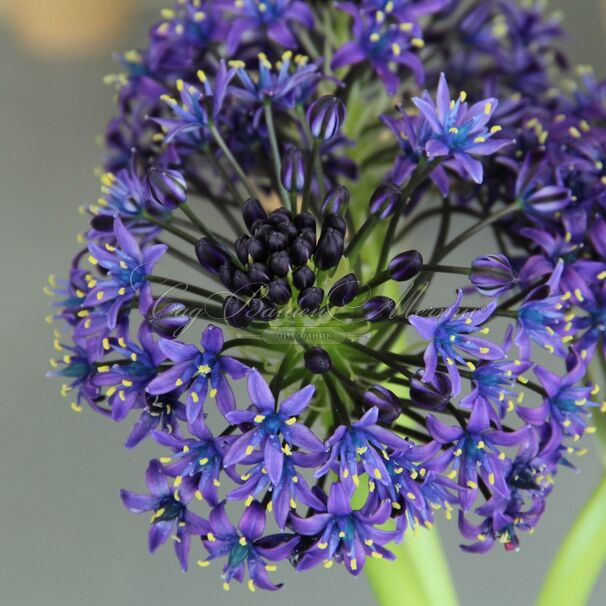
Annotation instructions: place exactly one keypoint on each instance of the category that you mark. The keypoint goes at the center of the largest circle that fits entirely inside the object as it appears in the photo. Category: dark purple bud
(293, 169)
(261, 310)
(279, 291)
(406, 265)
(210, 255)
(379, 308)
(276, 241)
(343, 291)
(317, 360)
(259, 273)
(384, 200)
(242, 284)
(330, 249)
(103, 223)
(252, 211)
(279, 263)
(303, 278)
(235, 312)
(166, 187)
(311, 299)
(301, 251)
(288, 229)
(336, 222)
(248, 248)
(336, 201)
(305, 221)
(309, 235)
(241, 248)
(226, 274)
(492, 275)
(325, 117)
(432, 395)
(385, 400)
(280, 215)
(167, 318)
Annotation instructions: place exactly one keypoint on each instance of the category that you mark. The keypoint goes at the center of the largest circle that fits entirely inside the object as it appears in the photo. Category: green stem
(360, 236)
(581, 556)
(252, 192)
(421, 172)
(308, 174)
(181, 285)
(275, 153)
(172, 229)
(446, 269)
(474, 229)
(191, 215)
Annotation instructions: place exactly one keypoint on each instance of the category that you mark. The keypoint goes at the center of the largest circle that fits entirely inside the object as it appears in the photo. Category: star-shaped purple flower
(344, 534)
(126, 269)
(450, 334)
(196, 371)
(274, 428)
(245, 547)
(361, 446)
(459, 130)
(170, 515)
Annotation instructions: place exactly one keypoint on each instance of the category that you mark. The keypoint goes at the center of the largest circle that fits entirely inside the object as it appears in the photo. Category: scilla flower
(376, 398)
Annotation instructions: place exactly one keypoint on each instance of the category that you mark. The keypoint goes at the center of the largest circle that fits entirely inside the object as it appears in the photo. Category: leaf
(418, 577)
(581, 557)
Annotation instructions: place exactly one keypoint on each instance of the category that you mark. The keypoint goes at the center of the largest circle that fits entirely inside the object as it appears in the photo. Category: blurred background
(66, 539)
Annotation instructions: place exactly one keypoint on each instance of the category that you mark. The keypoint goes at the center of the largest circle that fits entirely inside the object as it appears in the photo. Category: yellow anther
(488, 108)
(203, 563)
(574, 131)
(259, 418)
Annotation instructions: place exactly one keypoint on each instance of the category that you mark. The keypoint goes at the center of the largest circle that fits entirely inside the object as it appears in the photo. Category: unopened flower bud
(343, 291)
(293, 169)
(405, 266)
(336, 201)
(492, 275)
(325, 117)
(235, 312)
(379, 308)
(317, 360)
(261, 310)
(311, 299)
(303, 278)
(279, 263)
(385, 401)
(330, 249)
(301, 251)
(166, 187)
(252, 211)
(210, 255)
(384, 200)
(433, 394)
(259, 273)
(279, 291)
(336, 222)
(305, 221)
(276, 241)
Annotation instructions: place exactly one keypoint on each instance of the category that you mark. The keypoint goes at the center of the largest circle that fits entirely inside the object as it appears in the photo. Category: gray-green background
(65, 539)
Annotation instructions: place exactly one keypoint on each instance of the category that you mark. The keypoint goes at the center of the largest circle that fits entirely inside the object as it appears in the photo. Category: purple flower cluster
(236, 244)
